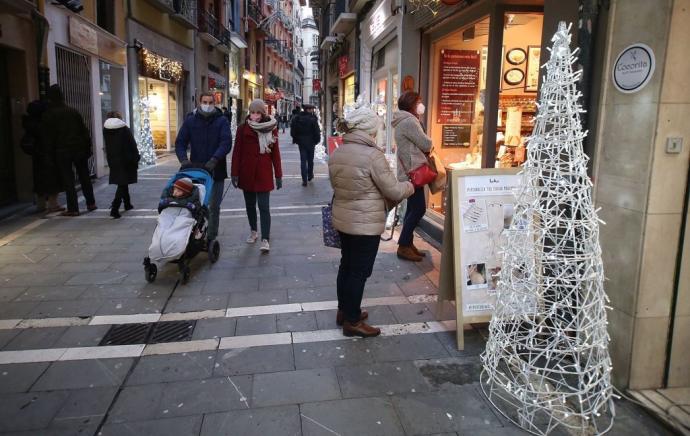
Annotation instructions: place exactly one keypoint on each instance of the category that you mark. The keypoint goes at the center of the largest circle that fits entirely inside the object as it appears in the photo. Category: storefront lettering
(634, 68)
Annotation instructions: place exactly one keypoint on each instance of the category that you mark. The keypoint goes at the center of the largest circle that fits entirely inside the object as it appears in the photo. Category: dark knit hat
(184, 184)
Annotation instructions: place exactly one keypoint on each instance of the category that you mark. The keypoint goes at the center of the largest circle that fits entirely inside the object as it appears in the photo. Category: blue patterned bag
(331, 237)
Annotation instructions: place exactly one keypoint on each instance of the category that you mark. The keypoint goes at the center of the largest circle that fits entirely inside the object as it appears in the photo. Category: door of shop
(74, 77)
(8, 193)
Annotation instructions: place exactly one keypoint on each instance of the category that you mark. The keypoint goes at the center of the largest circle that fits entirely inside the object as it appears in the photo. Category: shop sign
(83, 36)
(316, 85)
(377, 22)
(455, 136)
(342, 65)
(458, 84)
(634, 68)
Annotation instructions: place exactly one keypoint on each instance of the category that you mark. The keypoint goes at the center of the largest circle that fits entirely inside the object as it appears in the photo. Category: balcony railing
(185, 10)
(209, 24)
(255, 13)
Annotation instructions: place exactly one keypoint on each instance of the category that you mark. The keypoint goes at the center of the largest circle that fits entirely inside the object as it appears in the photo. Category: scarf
(265, 133)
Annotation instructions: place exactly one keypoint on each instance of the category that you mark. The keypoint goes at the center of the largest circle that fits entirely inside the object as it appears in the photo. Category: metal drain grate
(150, 333)
(171, 331)
(127, 334)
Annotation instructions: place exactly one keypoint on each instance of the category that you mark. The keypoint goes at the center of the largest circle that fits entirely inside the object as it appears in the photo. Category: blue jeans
(214, 208)
(416, 208)
(357, 257)
(306, 157)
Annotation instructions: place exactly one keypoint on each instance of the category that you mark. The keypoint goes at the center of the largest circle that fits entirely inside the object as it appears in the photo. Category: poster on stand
(481, 204)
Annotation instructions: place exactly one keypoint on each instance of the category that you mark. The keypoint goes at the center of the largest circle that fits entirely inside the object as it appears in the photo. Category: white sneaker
(264, 246)
(252, 237)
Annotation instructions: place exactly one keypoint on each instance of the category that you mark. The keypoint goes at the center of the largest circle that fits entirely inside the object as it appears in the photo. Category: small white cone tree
(546, 363)
(146, 146)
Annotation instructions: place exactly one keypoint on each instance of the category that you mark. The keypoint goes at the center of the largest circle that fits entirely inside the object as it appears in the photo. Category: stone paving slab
(176, 367)
(31, 339)
(136, 403)
(182, 426)
(381, 379)
(294, 387)
(296, 322)
(192, 304)
(29, 411)
(83, 374)
(245, 299)
(205, 396)
(51, 293)
(365, 416)
(284, 421)
(214, 328)
(256, 325)
(19, 377)
(255, 360)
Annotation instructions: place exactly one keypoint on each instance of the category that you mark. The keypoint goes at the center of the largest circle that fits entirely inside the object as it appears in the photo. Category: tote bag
(331, 237)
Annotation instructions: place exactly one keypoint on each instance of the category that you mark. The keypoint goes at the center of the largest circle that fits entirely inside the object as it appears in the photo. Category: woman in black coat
(123, 160)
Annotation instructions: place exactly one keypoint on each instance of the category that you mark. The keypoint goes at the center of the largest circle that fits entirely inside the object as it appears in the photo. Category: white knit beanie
(364, 119)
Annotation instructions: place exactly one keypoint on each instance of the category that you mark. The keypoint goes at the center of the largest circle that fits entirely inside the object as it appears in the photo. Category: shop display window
(163, 111)
(517, 101)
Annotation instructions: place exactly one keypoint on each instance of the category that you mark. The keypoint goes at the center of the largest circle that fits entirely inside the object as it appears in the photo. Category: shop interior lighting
(546, 366)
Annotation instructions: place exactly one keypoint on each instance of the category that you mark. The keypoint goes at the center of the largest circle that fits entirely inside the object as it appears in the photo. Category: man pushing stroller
(207, 133)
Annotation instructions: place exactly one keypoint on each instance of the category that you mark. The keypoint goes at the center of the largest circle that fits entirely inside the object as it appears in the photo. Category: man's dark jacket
(64, 131)
(207, 136)
(304, 130)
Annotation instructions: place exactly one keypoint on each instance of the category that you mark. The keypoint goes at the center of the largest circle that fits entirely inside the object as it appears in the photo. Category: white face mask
(420, 109)
(206, 107)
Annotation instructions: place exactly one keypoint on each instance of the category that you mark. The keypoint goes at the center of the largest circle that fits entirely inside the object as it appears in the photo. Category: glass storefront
(162, 97)
(385, 88)
(458, 88)
(112, 89)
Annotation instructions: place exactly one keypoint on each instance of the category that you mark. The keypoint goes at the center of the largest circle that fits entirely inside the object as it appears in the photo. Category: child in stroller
(181, 232)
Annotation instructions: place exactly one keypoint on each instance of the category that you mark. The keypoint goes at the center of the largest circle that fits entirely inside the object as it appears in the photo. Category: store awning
(344, 23)
(328, 41)
(238, 40)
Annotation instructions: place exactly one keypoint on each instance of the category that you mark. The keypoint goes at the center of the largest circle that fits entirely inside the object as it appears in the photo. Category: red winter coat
(254, 170)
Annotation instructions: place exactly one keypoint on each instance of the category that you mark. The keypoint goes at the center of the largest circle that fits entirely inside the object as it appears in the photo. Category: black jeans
(121, 195)
(306, 157)
(416, 208)
(250, 199)
(81, 163)
(358, 253)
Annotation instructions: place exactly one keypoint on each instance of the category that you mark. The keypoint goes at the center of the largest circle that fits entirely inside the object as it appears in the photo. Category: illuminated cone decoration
(546, 363)
(146, 146)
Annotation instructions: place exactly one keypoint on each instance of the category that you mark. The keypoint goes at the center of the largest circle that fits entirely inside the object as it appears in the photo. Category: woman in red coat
(255, 162)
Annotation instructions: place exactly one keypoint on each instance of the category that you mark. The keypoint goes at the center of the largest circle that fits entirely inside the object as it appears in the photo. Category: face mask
(420, 109)
(206, 107)
(255, 117)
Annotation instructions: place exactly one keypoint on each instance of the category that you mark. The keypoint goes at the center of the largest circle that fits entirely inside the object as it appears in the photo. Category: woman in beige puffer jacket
(364, 188)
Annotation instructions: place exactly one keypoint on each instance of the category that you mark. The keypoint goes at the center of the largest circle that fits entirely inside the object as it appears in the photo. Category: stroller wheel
(185, 272)
(151, 272)
(213, 251)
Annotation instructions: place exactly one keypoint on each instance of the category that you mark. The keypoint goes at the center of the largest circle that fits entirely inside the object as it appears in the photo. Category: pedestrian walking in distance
(46, 176)
(255, 163)
(365, 189)
(306, 133)
(65, 132)
(413, 147)
(207, 133)
(123, 160)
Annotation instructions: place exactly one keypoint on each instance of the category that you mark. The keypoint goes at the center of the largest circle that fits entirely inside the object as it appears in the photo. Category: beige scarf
(265, 133)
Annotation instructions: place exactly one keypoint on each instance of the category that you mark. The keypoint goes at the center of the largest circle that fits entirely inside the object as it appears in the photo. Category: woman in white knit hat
(255, 163)
(365, 188)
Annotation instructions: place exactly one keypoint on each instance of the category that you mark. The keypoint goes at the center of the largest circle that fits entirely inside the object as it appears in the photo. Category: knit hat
(257, 105)
(363, 119)
(184, 184)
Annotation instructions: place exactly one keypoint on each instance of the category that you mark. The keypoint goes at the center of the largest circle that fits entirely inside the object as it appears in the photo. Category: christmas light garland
(546, 365)
(160, 67)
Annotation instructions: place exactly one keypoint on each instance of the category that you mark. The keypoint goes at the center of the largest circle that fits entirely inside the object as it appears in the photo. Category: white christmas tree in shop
(546, 363)
(146, 147)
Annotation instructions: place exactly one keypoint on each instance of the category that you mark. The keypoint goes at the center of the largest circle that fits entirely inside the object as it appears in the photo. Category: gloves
(279, 183)
(185, 164)
(235, 181)
(211, 164)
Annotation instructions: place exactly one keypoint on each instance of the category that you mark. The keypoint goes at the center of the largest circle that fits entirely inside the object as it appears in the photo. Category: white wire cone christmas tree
(546, 362)
(146, 147)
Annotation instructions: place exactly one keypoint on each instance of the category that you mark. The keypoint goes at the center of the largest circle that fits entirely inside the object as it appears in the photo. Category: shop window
(105, 15)
(519, 85)
(163, 115)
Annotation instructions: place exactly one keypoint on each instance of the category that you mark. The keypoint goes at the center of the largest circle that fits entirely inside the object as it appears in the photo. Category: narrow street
(254, 348)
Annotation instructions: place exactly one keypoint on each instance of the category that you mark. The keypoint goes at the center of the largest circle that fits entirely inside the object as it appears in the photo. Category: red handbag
(420, 176)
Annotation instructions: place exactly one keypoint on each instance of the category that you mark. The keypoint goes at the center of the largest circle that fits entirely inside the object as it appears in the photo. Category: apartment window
(315, 73)
(315, 40)
(105, 15)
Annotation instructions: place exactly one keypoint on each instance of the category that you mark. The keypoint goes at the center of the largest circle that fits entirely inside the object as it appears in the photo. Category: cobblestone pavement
(264, 357)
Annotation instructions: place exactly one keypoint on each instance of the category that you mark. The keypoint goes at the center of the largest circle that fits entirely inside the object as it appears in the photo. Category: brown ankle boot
(340, 317)
(360, 329)
(407, 253)
(417, 252)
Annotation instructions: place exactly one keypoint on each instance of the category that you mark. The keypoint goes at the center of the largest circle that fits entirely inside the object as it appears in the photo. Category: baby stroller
(182, 231)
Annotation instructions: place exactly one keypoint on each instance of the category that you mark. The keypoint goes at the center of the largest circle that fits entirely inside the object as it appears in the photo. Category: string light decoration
(160, 67)
(145, 145)
(414, 6)
(546, 363)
